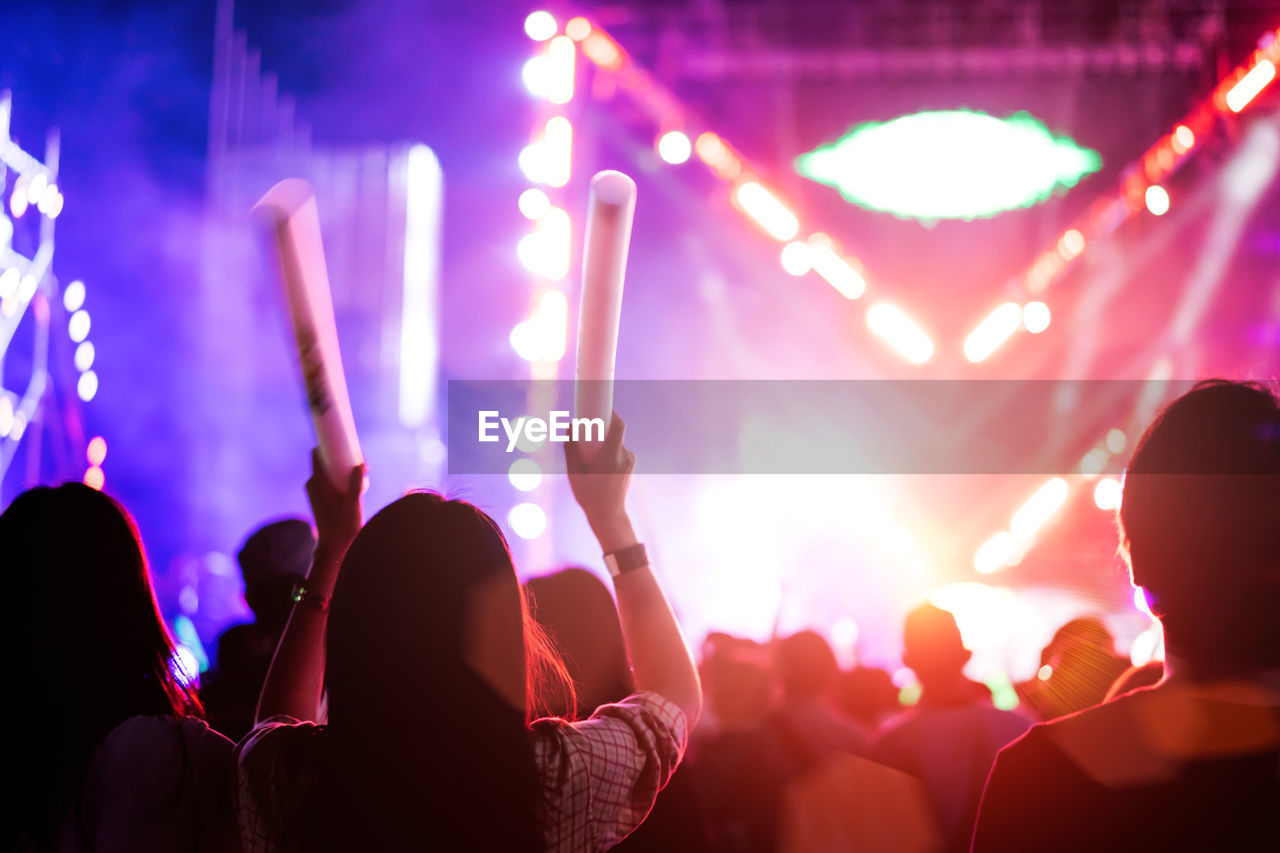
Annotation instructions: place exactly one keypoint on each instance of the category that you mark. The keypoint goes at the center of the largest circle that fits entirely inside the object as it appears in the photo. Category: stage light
(87, 386)
(9, 282)
(1183, 139)
(6, 414)
(984, 614)
(9, 305)
(835, 270)
(94, 478)
(524, 474)
(96, 452)
(900, 332)
(524, 340)
(51, 203)
(1039, 508)
(1157, 199)
(540, 25)
(1094, 462)
(713, 151)
(674, 147)
(957, 164)
(35, 189)
(1251, 85)
(85, 356)
(536, 75)
(560, 61)
(18, 201)
(534, 203)
(577, 28)
(767, 211)
(1045, 672)
(1107, 494)
(1117, 440)
(996, 328)
(558, 138)
(73, 296)
(1035, 317)
(995, 553)
(78, 325)
(534, 161)
(1070, 244)
(27, 288)
(795, 258)
(602, 50)
(527, 520)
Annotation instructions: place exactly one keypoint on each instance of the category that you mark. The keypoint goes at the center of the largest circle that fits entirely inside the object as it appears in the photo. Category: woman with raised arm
(105, 747)
(417, 629)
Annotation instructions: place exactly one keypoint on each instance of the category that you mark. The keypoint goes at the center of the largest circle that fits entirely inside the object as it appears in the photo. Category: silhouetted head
(931, 644)
(806, 666)
(427, 668)
(1200, 525)
(273, 559)
(735, 674)
(575, 609)
(867, 694)
(82, 644)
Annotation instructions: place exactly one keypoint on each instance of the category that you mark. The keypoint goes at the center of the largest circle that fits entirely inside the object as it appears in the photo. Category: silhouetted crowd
(399, 689)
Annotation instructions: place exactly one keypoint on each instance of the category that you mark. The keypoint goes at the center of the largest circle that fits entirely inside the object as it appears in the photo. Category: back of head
(806, 666)
(82, 647)
(1200, 525)
(931, 644)
(577, 612)
(273, 559)
(421, 749)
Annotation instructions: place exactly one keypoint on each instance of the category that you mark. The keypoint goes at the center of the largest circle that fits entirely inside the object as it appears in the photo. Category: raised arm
(296, 677)
(659, 657)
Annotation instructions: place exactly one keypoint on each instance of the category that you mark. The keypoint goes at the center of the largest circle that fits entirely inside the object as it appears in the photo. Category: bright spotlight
(73, 296)
(534, 203)
(9, 282)
(1094, 462)
(577, 28)
(1107, 493)
(527, 520)
(524, 474)
(602, 50)
(767, 211)
(1035, 317)
(995, 553)
(1039, 508)
(558, 139)
(94, 478)
(835, 270)
(899, 331)
(795, 258)
(1157, 200)
(540, 25)
(1117, 440)
(536, 75)
(996, 328)
(78, 325)
(96, 452)
(1183, 139)
(561, 54)
(87, 387)
(35, 189)
(1248, 88)
(674, 147)
(1070, 244)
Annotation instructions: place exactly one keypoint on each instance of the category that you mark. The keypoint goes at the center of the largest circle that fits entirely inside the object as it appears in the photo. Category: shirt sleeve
(601, 776)
(262, 778)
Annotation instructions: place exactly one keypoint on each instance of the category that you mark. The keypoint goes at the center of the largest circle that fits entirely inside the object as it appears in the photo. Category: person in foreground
(1192, 763)
(106, 748)
(428, 658)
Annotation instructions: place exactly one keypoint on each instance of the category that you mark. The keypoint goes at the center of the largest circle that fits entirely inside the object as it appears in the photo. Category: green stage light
(953, 164)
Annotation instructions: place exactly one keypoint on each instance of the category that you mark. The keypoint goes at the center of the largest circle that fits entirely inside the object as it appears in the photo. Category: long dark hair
(82, 648)
(420, 752)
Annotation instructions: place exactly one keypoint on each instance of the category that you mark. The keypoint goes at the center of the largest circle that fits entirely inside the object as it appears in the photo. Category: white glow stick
(604, 264)
(290, 208)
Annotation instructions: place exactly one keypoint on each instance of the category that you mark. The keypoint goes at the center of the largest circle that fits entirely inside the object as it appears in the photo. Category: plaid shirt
(601, 776)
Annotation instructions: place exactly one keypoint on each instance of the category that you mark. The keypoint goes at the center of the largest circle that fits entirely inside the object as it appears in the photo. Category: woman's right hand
(338, 516)
(600, 486)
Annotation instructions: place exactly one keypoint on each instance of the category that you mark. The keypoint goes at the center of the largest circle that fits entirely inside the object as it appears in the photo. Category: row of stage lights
(78, 325)
(548, 160)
